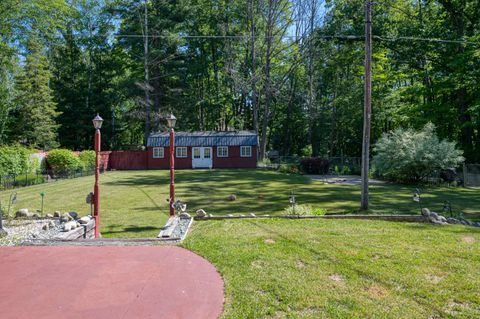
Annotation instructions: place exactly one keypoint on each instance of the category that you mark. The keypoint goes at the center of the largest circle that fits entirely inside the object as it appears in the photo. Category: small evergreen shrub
(314, 165)
(88, 160)
(405, 155)
(63, 161)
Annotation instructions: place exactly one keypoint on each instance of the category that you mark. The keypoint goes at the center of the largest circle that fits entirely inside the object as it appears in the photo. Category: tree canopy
(292, 70)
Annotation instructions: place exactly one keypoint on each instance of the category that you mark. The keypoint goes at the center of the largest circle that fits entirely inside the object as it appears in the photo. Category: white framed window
(158, 152)
(196, 152)
(222, 151)
(245, 151)
(207, 152)
(181, 152)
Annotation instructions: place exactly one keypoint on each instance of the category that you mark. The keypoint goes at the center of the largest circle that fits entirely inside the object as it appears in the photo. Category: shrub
(406, 155)
(314, 165)
(63, 161)
(16, 160)
(88, 159)
(288, 168)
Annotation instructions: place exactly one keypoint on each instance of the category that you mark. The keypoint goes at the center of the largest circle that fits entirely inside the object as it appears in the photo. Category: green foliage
(304, 210)
(88, 159)
(63, 161)
(411, 156)
(288, 168)
(16, 160)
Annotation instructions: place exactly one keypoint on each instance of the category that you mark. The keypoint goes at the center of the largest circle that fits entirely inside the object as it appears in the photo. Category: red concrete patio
(108, 282)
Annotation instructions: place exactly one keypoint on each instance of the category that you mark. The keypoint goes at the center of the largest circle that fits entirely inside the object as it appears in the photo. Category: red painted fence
(125, 160)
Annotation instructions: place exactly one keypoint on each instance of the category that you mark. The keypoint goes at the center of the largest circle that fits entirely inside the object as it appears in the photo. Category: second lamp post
(97, 123)
(171, 120)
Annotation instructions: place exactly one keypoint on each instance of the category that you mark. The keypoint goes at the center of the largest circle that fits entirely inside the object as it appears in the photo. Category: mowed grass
(342, 269)
(134, 203)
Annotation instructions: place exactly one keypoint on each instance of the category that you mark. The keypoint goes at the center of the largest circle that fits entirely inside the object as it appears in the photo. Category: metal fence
(40, 177)
(471, 175)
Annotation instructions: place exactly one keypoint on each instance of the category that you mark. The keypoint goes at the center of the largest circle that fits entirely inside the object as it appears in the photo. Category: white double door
(202, 157)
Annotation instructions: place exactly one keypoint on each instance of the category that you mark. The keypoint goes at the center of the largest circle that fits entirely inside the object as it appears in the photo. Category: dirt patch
(434, 279)
(299, 264)
(454, 308)
(269, 241)
(468, 239)
(336, 278)
(258, 264)
(377, 291)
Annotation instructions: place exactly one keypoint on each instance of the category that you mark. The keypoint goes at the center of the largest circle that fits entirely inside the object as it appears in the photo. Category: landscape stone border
(426, 217)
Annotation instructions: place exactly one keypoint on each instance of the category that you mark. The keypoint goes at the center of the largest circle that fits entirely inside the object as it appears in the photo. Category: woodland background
(290, 69)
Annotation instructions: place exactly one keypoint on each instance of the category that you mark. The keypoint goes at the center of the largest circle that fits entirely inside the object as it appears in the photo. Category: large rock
(201, 213)
(452, 220)
(442, 219)
(84, 220)
(68, 226)
(425, 212)
(232, 197)
(57, 214)
(185, 216)
(49, 215)
(23, 213)
(73, 214)
(66, 218)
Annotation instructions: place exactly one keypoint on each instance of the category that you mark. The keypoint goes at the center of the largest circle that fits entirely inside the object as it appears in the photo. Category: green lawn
(134, 203)
(343, 269)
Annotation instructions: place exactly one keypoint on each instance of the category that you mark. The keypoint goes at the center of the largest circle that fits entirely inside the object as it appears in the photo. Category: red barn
(231, 149)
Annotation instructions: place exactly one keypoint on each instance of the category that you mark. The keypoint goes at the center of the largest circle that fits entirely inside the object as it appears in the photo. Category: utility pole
(145, 65)
(367, 111)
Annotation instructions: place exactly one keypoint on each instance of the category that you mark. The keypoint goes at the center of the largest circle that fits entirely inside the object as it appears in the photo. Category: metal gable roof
(212, 138)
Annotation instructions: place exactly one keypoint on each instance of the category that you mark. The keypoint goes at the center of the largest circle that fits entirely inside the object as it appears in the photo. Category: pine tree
(36, 126)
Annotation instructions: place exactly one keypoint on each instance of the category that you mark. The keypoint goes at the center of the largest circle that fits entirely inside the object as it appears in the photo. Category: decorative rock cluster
(24, 213)
(438, 219)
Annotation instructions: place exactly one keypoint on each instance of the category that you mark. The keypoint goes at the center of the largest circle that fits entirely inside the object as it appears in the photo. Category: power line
(327, 37)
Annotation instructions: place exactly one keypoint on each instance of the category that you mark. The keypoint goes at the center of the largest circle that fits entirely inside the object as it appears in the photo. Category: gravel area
(21, 232)
(30, 232)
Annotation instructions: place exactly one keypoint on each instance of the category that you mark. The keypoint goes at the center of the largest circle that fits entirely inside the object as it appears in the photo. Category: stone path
(108, 282)
(344, 179)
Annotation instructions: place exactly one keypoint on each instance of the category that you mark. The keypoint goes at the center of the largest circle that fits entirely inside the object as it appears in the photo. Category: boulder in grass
(23, 213)
(253, 215)
(232, 197)
(57, 214)
(425, 212)
(201, 213)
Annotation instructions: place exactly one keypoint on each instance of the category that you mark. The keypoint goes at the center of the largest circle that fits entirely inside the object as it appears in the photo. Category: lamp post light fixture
(171, 120)
(97, 123)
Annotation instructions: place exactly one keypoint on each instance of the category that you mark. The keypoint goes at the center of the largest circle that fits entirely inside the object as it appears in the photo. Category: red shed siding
(234, 160)
(126, 160)
(164, 163)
